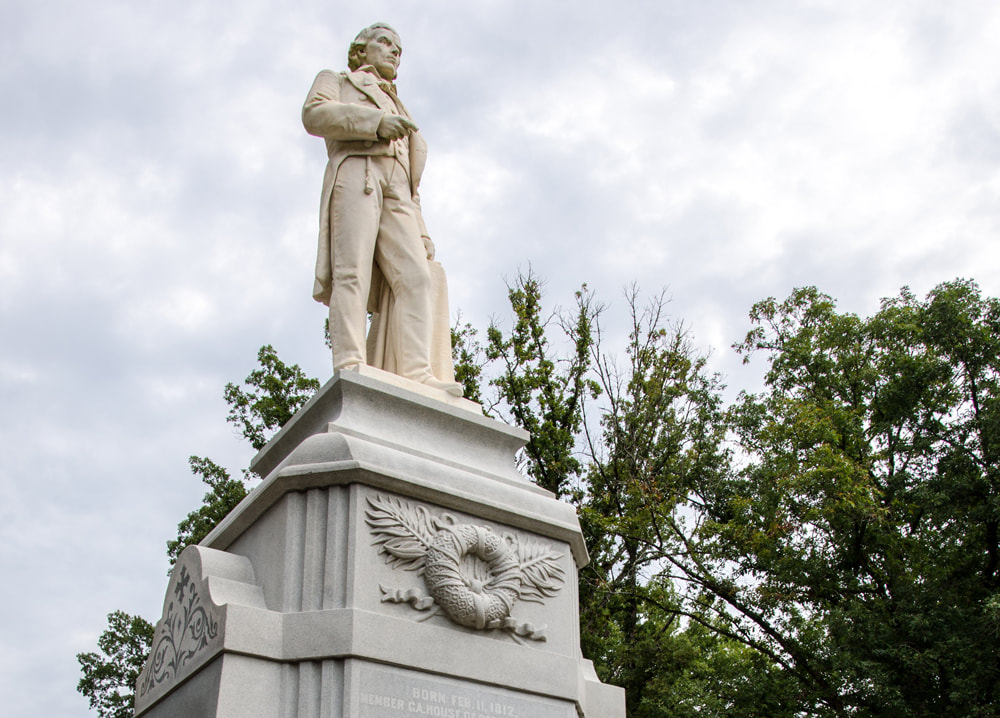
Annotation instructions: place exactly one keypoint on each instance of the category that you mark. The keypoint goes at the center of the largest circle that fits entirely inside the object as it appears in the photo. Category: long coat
(345, 109)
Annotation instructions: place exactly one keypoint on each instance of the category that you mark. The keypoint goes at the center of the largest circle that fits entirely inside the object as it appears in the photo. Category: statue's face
(382, 52)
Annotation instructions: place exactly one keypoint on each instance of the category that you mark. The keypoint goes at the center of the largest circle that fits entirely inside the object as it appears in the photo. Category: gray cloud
(158, 215)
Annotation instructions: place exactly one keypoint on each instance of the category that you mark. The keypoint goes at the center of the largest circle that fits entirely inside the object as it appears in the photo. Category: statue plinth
(392, 563)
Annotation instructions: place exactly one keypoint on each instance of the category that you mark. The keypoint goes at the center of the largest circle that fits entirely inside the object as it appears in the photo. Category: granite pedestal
(392, 564)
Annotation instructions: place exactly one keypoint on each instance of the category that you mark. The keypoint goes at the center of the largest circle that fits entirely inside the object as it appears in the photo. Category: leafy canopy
(109, 677)
(827, 546)
(270, 397)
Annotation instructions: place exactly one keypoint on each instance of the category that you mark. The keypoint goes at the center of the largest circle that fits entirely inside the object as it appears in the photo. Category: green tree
(660, 431)
(659, 441)
(467, 356)
(861, 534)
(539, 390)
(827, 546)
(109, 677)
(224, 494)
(269, 397)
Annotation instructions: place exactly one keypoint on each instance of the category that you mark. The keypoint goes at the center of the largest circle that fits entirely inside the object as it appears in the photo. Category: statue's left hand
(429, 247)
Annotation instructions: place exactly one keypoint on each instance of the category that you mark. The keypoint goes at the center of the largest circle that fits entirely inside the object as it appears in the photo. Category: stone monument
(393, 563)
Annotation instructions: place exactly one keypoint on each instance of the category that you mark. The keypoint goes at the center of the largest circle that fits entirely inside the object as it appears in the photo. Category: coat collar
(366, 83)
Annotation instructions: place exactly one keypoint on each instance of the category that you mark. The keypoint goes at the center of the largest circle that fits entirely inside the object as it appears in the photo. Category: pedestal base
(392, 563)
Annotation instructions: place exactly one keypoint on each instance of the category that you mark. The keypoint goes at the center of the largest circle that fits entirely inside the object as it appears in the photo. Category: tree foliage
(863, 529)
(658, 448)
(659, 430)
(467, 357)
(537, 389)
(827, 546)
(109, 677)
(270, 397)
(223, 496)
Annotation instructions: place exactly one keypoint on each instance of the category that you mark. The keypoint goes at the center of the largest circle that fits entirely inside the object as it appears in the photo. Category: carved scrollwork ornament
(474, 575)
(187, 628)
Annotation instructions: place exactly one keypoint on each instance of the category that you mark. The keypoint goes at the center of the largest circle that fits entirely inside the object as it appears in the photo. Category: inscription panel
(388, 692)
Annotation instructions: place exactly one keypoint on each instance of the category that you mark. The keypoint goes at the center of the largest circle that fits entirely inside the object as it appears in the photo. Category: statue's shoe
(452, 387)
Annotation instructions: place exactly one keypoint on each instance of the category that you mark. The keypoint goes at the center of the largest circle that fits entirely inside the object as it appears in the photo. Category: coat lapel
(368, 86)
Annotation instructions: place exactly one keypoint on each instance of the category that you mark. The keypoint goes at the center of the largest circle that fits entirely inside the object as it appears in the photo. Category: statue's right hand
(392, 127)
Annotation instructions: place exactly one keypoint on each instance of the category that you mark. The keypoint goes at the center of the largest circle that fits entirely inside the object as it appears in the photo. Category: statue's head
(377, 45)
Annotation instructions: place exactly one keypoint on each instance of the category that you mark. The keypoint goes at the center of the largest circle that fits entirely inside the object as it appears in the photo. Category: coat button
(369, 144)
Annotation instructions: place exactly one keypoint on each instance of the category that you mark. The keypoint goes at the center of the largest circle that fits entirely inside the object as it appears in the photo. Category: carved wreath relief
(471, 573)
(186, 629)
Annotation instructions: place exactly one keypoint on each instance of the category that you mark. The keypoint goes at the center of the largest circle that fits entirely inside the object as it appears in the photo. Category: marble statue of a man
(374, 251)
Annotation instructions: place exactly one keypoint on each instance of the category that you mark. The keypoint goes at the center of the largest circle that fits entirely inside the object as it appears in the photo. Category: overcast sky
(159, 203)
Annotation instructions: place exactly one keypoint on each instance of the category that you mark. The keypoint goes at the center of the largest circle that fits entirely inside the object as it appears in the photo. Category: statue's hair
(361, 41)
